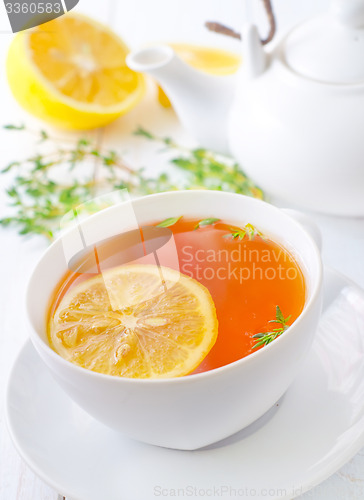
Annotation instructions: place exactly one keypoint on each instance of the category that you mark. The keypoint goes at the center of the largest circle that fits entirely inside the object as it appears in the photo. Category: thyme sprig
(206, 169)
(266, 338)
(240, 233)
(38, 199)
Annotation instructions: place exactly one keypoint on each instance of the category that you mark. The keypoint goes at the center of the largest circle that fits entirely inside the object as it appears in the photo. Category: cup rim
(250, 358)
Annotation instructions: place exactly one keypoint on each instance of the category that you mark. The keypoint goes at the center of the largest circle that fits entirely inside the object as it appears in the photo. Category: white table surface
(139, 21)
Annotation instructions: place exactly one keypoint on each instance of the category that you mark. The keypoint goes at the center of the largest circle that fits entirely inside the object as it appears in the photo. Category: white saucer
(316, 427)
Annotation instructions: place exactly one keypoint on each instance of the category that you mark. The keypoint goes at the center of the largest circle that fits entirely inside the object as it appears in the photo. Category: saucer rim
(321, 476)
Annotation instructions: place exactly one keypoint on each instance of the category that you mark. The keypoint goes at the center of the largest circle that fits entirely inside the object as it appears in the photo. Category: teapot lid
(330, 48)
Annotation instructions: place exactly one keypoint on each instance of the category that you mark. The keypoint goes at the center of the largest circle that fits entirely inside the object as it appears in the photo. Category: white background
(138, 22)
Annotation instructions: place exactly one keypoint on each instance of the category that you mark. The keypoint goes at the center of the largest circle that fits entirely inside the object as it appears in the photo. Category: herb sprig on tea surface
(266, 338)
(206, 222)
(38, 198)
(240, 233)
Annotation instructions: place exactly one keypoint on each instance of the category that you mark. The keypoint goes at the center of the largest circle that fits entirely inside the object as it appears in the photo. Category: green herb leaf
(83, 142)
(10, 166)
(144, 133)
(240, 233)
(279, 316)
(265, 338)
(206, 222)
(44, 135)
(14, 127)
(169, 222)
(236, 234)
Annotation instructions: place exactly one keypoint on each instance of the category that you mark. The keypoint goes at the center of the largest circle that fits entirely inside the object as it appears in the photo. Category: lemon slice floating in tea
(71, 72)
(157, 335)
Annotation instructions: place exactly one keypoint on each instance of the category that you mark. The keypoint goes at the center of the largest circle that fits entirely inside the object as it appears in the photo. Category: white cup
(196, 410)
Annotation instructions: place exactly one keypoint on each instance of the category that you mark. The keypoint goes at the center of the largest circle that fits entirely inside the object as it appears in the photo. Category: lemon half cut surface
(167, 335)
(71, 72)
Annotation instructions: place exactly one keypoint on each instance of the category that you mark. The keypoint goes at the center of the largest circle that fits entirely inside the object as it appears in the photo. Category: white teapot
(293, 117)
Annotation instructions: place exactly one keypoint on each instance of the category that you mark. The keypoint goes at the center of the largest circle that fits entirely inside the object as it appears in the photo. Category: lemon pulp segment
(71, 72)
(165, 329)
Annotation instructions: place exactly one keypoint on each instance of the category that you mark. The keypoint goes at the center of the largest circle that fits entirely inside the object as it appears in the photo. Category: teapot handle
(225, 30)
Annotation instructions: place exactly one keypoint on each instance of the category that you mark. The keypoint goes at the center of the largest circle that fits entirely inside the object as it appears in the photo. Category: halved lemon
(71, 73)
(210, 60)
(165, 329)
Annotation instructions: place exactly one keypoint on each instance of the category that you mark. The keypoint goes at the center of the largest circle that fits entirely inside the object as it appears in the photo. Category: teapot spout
(202, 102)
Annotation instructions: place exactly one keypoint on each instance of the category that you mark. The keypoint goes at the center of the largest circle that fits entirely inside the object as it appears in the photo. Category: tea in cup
(193, 340)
